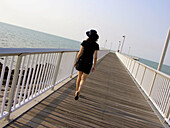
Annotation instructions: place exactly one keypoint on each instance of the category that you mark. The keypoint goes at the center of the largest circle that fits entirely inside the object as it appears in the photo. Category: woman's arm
(78, 55)
(95, 61)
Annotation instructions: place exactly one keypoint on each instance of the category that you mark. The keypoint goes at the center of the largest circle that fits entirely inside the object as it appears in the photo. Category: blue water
(165, 68)
(17, 37)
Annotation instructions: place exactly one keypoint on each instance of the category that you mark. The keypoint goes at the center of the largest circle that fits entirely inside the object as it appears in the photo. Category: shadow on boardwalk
(109, 98)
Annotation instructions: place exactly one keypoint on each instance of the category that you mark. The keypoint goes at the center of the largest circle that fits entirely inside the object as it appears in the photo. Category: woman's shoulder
(96, 44)
(83, 43)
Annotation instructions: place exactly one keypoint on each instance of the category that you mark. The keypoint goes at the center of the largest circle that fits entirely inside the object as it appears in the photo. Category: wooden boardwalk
(109, 98)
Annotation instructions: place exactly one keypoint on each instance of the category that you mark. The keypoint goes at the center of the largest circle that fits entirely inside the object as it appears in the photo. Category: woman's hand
(93, 69)
(75, 64)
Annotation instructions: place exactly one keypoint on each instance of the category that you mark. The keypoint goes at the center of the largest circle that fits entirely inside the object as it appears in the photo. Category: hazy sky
(145, 23)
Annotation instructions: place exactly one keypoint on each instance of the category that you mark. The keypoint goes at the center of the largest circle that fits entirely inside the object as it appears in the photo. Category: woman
(84, 59)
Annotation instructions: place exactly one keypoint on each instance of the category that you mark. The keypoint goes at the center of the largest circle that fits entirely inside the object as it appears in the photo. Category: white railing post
(130, 64)
(13, 87)
(129, 60)
(133, 66)
(143, 76)
(57, 69)
(73, 66)
(152, 83)
(137, 70)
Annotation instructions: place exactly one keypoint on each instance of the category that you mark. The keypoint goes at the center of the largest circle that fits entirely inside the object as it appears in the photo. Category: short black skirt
(84, 65)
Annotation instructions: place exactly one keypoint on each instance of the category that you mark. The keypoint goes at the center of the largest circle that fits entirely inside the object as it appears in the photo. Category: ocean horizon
(12, 36)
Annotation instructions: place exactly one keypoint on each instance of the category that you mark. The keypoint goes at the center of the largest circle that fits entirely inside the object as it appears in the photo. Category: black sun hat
(92, 34)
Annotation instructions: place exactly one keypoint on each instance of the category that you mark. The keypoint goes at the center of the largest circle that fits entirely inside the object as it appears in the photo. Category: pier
(110, 98)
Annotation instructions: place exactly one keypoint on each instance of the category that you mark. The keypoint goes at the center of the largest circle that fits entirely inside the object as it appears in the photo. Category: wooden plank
(109, 98)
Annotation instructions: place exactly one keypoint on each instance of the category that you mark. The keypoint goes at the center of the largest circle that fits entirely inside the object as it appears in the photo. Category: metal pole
(13, 87)
(119, 46)
(122, 43)
(111, 46)
(105, 44)
(164, 50)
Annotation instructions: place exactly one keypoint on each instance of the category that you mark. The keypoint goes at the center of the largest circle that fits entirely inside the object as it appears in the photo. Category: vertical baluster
(53, 61)
(45, 72)
(57, 69)
(24, 79)
(42, 74)
(6, 86)
(157, 87)
(28, 79)
(129, 60)
(133, 67)
(159, 92)
(137, 70)
(3, 72)
(143, 75)
(40, 71)
(33, 74)
(13, 87)
(130, 65)
(51, 70)
(19, 81)
(154, 78)
(126, 61)
(36, 76)
(48, 71)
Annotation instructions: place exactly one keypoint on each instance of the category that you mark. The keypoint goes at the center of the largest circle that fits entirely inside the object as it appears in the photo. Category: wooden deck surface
(109, 99)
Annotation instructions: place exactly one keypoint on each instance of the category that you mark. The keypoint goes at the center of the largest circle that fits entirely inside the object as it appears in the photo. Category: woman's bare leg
(80, 82)
(80, 73)
(83, 79)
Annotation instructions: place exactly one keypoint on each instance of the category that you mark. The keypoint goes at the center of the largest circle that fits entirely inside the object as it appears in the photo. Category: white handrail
(27, 51)
(26, 73)
(155, 84)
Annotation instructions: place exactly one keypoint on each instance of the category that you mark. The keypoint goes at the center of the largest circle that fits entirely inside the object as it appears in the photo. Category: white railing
(155, 84)
(27, 73)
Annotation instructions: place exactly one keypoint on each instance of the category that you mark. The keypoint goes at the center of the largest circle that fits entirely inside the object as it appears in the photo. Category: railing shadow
(55, 102)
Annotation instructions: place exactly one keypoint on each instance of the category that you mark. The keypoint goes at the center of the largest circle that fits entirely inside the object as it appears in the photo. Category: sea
(165, 68)
(18, 37)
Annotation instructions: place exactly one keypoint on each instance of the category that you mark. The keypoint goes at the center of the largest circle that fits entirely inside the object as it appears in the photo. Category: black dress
(85, 60)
